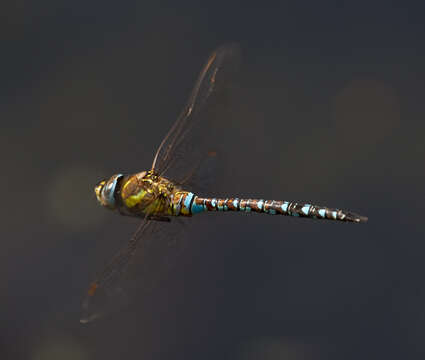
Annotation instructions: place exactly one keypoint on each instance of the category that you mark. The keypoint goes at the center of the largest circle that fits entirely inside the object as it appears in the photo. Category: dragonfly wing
(153, 249)
(105, 292)
(190, 140)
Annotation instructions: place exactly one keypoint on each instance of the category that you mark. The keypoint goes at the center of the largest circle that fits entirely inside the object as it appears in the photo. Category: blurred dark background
(328, 108)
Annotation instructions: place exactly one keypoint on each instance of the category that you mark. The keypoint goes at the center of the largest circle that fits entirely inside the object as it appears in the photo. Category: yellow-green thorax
(147, 193)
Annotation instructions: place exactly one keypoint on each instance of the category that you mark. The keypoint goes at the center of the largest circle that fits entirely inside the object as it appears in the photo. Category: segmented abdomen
(192, 204)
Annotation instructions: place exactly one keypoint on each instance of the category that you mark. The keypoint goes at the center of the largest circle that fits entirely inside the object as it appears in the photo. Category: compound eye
(108, 191)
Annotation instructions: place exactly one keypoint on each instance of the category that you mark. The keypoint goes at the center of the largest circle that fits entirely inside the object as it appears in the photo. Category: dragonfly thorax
(106, 191)
(146, 193)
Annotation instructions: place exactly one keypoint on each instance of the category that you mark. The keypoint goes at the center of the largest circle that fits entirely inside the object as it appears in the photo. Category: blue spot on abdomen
(305, 209)
(285, 206)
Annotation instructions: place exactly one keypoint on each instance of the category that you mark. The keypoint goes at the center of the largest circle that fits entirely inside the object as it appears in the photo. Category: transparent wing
(191, 139)
(138, 267)
(105, 292)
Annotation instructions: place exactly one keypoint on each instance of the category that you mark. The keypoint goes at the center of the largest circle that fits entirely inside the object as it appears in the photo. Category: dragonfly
(162, 194)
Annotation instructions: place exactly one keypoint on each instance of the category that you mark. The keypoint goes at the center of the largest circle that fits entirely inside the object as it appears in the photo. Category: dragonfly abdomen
(192, 204)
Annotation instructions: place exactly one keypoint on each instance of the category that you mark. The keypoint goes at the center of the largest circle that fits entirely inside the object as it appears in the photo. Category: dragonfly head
(105, 191)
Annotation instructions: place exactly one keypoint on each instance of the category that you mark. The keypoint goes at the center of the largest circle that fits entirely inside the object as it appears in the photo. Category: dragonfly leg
(159, 218)
(125, 214)
(149, 217)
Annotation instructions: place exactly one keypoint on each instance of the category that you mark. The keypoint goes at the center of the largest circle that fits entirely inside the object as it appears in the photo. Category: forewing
(191, 139)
